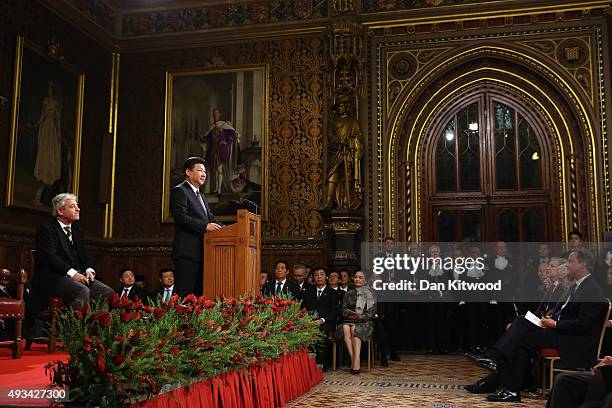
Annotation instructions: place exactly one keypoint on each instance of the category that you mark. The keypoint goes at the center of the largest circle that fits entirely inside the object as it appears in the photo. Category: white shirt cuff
(90, 270)
(323, 319)
(71, 272)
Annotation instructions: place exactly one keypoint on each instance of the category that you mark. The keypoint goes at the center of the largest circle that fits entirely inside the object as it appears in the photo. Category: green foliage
(134, 350)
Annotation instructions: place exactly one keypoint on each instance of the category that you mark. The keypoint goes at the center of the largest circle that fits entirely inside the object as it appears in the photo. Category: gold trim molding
(564, 84)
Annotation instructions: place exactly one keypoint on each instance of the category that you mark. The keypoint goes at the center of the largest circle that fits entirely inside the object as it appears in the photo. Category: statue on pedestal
(343, 178)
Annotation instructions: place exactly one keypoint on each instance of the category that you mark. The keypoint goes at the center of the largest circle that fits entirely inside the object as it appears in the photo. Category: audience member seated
(298, 276)
(322, 302)
(128, 286)
(358, 310)
(263, 279)
(574, 331)
(63, 267)
(345, 280)
(574, 389)
(309, 276)
(140, 281)
(554, 289)
(280, 285)
(166, 291)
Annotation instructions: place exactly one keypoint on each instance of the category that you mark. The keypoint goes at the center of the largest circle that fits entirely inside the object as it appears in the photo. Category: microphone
(253, 204)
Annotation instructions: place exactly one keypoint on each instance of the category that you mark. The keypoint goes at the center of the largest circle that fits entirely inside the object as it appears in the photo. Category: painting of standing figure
(45, 128)
(219, 115)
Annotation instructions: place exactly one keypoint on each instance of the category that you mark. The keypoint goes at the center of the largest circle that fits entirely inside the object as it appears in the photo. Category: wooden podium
(232, 257)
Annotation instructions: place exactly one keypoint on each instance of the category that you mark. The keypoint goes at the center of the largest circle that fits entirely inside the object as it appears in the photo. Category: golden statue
(343, 182)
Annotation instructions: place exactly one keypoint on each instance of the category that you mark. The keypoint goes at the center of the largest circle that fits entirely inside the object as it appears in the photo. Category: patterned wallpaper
(295, 132)
(37, 25)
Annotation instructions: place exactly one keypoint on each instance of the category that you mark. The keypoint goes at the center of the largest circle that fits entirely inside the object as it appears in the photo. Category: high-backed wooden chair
(46, 315)
(552, 364)
(14, 308)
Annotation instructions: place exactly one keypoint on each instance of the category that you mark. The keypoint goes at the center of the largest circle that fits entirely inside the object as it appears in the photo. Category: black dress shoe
(384, 362)
(480, 387)
(503, 395)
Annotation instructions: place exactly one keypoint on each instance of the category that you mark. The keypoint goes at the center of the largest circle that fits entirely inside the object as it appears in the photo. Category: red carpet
(28, 371)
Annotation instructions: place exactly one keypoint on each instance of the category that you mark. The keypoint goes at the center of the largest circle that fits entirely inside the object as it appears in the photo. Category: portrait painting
(219, 115)
(46, 123)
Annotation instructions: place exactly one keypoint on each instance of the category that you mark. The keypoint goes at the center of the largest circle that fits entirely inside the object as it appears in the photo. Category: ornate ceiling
(141, 24)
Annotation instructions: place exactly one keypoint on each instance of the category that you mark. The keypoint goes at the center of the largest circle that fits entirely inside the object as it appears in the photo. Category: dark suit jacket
(326, 306)
(550, 300)
(306, 287)
(9, 292)
(580, 325)
(159, 294)
(136, 291)
(54, 258)
(190, 222)
(289, 288)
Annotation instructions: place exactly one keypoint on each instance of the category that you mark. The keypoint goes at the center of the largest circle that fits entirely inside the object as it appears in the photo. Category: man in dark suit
(322, 302)
(573, 389)
(298, 275)
(63, 267)
(166, 290)
(573, 329)
(280, 284)
(128, 287)
(192, 218)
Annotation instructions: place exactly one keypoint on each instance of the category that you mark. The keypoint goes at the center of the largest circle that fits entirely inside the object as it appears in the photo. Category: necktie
(319, 293)
(68, 233)
(167, 295)
(557, 315)
(125, 292)
(201, 200)
(279, 288)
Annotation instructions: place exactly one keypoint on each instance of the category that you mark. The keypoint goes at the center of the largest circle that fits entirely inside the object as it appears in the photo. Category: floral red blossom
(118, 359)
(100, 363)
(126, 317)
(190, 299)
(158, 313)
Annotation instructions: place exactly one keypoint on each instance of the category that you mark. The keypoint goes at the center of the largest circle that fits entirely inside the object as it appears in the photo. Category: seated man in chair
(63, 267)
(573, 329)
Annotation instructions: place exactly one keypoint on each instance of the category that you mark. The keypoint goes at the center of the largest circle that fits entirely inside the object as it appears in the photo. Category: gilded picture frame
(46, 125)
(222, 116)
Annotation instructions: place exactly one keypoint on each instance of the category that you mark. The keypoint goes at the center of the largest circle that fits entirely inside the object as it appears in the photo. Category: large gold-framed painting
(46, 124)
(220, 115)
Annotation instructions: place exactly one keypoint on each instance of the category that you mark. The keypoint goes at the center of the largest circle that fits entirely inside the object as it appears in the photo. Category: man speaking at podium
(192, 218)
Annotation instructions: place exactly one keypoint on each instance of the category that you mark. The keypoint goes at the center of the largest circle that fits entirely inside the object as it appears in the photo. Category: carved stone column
(345, 92)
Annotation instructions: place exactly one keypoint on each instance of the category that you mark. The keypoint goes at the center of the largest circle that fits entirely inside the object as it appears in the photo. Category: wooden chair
(551, 360)
(14, 308)
(49, 314)
(370, 343)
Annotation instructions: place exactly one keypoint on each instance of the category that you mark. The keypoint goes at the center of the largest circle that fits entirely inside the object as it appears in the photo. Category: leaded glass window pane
(505, 151)
(446, 159)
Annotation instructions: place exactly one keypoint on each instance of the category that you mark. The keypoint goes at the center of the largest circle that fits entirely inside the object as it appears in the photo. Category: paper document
(533, 319)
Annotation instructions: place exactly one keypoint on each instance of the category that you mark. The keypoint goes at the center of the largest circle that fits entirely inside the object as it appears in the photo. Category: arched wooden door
(489, 172)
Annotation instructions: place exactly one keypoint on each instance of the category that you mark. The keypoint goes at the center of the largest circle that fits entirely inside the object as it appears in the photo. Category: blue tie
(279, 287)
(558, 313)
(199, 195)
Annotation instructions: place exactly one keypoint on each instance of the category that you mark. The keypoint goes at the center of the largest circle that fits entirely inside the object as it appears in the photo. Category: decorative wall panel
(295, 133)
(38, 26)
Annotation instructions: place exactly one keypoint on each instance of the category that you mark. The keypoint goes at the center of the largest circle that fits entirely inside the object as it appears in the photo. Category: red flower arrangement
(134, 350)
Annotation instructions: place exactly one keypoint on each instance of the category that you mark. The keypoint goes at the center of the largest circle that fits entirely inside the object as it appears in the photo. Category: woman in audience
(358, 309)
